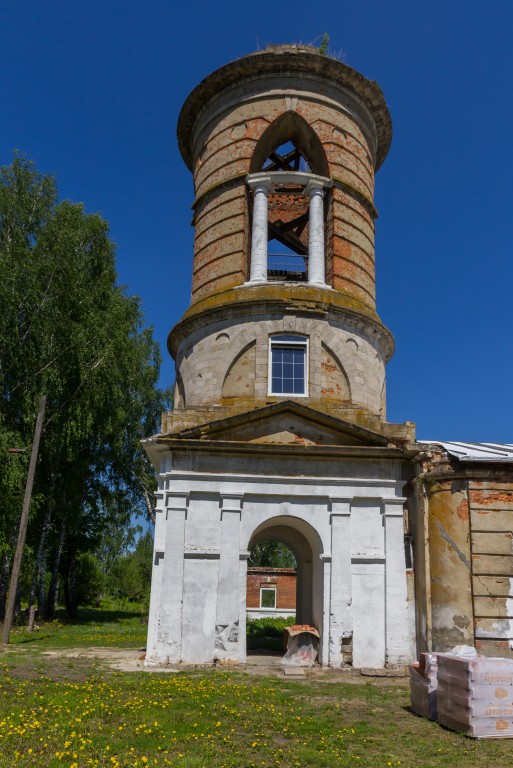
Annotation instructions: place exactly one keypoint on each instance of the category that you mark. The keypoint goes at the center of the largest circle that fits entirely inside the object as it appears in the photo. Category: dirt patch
(76, 664)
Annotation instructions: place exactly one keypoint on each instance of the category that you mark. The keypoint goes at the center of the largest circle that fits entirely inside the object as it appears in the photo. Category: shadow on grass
(36, 638)
(109, 626)
(91, 615)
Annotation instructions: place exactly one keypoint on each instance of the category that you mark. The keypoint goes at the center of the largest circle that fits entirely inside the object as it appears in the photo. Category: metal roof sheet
(496, 452)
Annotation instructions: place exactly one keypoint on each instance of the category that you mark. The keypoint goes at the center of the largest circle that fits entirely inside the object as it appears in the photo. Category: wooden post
(15, 573)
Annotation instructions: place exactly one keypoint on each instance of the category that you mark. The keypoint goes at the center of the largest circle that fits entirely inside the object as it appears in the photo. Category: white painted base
(348, 539)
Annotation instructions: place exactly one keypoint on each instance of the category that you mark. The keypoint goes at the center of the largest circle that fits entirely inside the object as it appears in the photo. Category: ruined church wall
(206, 521)
(464, 558)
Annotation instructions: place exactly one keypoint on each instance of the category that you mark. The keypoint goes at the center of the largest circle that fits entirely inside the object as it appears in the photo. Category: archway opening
(270, 594)
(283, 541)
(289, 148)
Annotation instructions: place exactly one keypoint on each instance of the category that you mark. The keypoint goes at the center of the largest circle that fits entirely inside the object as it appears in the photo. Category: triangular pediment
(285, 423)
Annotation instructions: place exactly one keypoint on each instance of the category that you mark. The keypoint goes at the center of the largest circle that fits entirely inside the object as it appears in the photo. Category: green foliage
(13, 467)
(90, 579)
(272, 626)
(69, 331)
(132, 574)
(324, 46)
(267, 634)
(271, 554)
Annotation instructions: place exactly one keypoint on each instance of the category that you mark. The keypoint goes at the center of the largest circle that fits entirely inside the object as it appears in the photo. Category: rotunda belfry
(283, 145)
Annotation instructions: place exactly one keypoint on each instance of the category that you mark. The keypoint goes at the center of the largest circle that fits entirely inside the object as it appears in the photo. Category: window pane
(268, 598)
(288, 368)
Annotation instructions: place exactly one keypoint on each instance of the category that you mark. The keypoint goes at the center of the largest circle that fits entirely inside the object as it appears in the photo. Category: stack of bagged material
(423, 685)
(475, 696)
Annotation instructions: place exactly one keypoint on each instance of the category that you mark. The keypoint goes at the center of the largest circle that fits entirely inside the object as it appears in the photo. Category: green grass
(94, 627)
(74, 712)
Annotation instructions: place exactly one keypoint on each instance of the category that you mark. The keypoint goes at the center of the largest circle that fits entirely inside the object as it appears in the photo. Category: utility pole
(15, 573)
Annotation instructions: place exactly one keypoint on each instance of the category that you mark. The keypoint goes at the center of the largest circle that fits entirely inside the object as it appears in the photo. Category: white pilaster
(156, 572)
(324, 644)
(258, 269)
(341, 624)
(243, 577)
(316, 255)
(228, 630)
(168, 637)
(396, 593)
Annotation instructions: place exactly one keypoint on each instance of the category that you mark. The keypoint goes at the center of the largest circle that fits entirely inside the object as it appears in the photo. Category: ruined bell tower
(279, 426)
(283, 146)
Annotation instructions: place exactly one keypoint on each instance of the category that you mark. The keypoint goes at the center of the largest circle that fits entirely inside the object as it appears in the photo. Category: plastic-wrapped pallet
(423, 685)
(475, 696)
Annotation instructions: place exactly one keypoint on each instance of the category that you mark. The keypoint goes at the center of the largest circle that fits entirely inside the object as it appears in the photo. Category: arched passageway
(305, 544)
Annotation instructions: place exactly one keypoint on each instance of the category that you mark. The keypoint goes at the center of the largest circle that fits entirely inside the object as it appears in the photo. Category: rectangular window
(267, 597)
(288, 365)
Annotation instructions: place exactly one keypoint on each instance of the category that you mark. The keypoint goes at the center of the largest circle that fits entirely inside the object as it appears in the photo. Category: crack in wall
(445, 536)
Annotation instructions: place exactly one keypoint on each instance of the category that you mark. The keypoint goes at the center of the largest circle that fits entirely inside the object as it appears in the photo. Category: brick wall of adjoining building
(284, 579)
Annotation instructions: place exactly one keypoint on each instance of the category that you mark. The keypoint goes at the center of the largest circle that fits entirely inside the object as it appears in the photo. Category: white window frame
(291, 340)
(268, 589)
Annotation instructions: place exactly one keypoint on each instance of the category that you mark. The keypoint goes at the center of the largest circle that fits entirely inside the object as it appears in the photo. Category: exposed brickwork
(283, 579)
(223, 144)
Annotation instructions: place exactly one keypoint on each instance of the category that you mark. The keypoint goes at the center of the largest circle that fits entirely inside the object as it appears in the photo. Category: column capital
(340, 506)
(315, 187)
(177, 500)
(256, 182)
(394, 507)
(231, 502)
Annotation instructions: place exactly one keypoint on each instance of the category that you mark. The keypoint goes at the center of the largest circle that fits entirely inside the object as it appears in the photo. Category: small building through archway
(304, 542)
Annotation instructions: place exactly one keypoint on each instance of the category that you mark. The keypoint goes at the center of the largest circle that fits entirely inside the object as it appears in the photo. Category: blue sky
(91, 92)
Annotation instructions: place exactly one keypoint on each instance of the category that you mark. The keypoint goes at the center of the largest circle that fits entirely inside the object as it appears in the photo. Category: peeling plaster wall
(348, 534)
(229, 360)
(463, 537)
(450, 566)
(491, 515)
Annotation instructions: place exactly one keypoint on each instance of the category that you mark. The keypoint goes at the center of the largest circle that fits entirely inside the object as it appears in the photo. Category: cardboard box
(423, 696)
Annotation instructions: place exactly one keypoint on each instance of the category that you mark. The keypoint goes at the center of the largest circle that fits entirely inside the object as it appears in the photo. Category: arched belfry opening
(289, 179)
(301, 148)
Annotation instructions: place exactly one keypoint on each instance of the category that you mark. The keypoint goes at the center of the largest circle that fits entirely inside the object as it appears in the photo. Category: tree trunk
(4, 583)
(40, 566)
(54, 579)
(70, 584)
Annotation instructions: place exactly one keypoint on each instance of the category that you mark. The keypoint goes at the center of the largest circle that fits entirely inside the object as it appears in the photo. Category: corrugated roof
(498, 452)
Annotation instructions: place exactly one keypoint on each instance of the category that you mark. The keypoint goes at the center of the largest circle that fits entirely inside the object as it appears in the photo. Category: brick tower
(278, 429)
(283, 146)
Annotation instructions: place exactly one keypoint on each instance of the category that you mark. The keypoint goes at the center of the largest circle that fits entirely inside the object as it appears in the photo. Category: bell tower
(283, 146)
(279, 428)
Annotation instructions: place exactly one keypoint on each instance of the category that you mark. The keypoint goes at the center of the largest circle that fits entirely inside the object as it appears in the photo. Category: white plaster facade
(347, 534)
